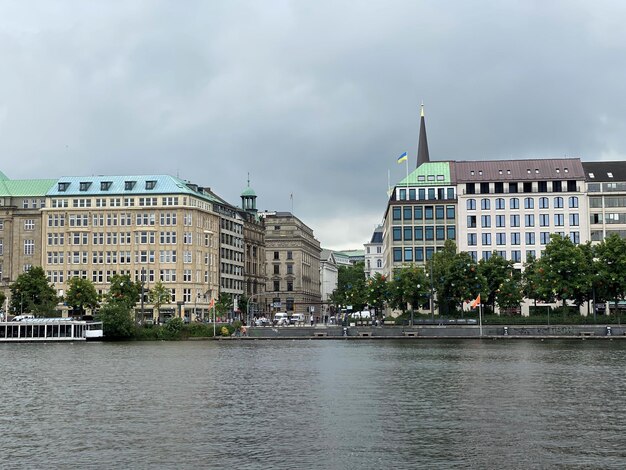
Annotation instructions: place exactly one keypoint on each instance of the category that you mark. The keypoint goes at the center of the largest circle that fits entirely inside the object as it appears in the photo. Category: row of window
(410, 254)
(115, 219)
(527, 187)
(277, 286)
(529, 203)
(515, 238)
(422, 193)
(423, 213)
(428, 232)
(529, 220)
(114, 257)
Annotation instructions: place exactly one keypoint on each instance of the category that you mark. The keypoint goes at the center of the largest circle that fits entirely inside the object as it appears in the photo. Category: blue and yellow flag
(403, 158)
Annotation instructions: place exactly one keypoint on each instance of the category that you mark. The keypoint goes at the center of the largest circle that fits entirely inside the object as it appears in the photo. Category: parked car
(297, 319)
(262, 321)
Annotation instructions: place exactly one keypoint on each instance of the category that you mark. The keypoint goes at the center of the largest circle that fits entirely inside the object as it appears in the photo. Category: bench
(365, 333)
(409, 333)
(586, 333)
(320, 333)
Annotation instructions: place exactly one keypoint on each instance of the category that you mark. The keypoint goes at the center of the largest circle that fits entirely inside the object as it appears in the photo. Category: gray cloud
(314, 99)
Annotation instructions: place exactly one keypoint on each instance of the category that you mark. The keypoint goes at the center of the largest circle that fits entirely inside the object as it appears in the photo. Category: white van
(297, 319)
(281, 318)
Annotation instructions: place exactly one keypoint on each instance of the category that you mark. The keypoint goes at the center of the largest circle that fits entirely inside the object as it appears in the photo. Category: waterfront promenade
(607, 332)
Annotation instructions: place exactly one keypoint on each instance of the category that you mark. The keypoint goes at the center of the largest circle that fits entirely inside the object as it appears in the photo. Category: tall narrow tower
(422, 146)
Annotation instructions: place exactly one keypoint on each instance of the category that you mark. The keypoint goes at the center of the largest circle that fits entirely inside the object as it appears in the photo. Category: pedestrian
(312, 320)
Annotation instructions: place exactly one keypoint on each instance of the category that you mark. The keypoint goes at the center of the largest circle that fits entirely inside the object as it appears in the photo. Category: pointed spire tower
(422, 146)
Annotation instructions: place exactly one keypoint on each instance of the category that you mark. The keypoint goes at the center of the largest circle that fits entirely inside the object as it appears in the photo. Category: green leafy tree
(611, 268)
(124, 290)
(32, 293)
(533, 286)
(455, 278)
(496, 270)
(81, 294)
(377, 292)
(510, 294)
(224, 305)
(409, 287)
(3, 298)
(117, 322)
(158, 296)
(350, 287)
(563, 270)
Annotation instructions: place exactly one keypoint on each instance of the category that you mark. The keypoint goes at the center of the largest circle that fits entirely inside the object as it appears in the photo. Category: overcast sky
(313, 98)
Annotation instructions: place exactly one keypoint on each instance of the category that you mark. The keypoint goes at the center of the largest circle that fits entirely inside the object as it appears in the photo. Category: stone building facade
(293, 265)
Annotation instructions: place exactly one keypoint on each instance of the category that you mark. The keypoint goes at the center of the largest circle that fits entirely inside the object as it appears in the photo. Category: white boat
(49, 329)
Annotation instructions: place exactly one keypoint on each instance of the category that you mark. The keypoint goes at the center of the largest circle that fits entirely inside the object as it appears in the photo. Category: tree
(563, 268)
(31, 293)
(158, 296)
(532, 280)
(496, 270)
(3, 298)
(124, 290)
(611, 268)
(409, 287)
(224, 304)
(377, 292)
(455, 277)
(509, 294)
(350, 287)
(117, 322)
(81, 294)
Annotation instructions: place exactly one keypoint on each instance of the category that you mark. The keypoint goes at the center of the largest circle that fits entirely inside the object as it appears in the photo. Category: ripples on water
(314, 404)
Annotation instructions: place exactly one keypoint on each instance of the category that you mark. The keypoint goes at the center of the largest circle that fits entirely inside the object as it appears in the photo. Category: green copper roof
(420, 176)
(25, 188)
(125, 185)
(248, 192)
(3, 176)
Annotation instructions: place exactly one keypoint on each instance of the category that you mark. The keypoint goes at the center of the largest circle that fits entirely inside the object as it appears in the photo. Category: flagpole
(480, 318)
(407, 172)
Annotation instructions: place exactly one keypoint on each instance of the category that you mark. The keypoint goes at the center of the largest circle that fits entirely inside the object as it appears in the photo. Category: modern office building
(606, 192)
(511, 207)
(293, 265)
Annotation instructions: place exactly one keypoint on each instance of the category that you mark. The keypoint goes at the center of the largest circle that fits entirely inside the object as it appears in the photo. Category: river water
(314, 404)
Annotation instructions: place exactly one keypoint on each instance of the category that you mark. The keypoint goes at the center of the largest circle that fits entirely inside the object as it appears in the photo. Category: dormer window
(105, 185)
(63, 186)
(84, 185)
(528, 171)
(591, 175)
(558, 171)
(150, 184)
(129, 185)
(439, 177)
(472, 173)
(609, 174)
(421, 178)
(508, 172)
(536, 170)
(500, 171)
(431, 177)
(480, 172)
(565, 170)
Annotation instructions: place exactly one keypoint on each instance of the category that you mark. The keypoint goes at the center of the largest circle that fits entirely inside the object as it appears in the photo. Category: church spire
(422, 146)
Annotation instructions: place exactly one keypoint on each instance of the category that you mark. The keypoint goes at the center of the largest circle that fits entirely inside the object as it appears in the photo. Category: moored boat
(49, 329)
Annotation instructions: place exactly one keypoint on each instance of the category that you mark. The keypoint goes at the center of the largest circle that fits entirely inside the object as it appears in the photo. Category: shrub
(116, 321)
(224, 331)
